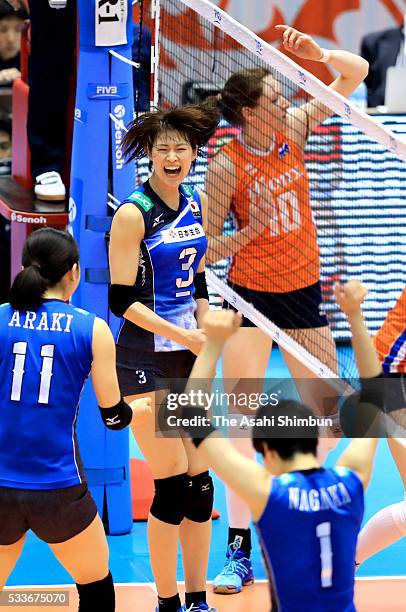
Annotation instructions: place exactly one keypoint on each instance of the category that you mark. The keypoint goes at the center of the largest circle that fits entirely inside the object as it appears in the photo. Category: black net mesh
(329, 201)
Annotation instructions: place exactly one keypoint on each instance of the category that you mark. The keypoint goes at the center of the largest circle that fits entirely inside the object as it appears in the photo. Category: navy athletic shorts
(300, 309)
(54, 515)
(142, 372)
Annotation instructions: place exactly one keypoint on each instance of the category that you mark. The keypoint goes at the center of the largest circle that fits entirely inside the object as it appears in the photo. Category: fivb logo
(347, 111)
(258, 47)
(110, 22)
(107, 91)
(302, 77)
(217, 16)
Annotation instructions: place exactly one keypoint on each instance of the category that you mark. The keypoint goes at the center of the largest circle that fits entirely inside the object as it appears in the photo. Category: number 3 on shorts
(142, 379)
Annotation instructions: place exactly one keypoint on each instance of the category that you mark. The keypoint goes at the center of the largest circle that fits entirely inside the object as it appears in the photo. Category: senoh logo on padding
(19, 218)
(110, 22)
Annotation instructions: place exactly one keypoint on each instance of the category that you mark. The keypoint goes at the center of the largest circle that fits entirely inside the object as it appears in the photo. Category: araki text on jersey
(44, 321)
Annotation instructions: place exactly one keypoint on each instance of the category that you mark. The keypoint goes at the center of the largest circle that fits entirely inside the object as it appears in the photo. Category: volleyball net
(352, 177)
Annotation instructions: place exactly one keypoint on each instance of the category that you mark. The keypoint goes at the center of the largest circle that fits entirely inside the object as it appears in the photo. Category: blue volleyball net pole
(100, 179)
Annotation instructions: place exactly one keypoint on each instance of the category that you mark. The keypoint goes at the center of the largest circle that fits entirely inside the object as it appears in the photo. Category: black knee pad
(199, 501)
(97, 595)
(170, 498)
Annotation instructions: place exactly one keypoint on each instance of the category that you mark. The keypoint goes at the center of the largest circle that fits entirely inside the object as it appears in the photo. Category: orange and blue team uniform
(390, 341)
(285, 257)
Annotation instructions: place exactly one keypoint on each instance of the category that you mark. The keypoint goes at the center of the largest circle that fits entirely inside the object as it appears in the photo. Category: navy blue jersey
(170, 253)
(308, 534)
(45, 358)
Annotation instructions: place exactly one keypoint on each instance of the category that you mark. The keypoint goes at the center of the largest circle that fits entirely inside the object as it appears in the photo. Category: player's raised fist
(300, 44)
(141, 408)
(221, 324)
(350, 296)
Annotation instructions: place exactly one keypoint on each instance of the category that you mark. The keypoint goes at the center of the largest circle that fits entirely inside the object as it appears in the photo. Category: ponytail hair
(242, 89)
(48, 254)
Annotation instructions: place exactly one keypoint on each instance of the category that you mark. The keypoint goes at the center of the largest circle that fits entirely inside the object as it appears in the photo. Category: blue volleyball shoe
(200, 607)
(236, 573)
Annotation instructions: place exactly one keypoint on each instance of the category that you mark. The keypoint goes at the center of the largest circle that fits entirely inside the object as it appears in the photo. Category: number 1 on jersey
(20, 352)
(323, 532)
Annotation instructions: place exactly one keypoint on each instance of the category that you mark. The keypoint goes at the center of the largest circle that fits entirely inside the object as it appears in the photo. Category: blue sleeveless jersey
(45, 358)
(308, 534)
(170, 253)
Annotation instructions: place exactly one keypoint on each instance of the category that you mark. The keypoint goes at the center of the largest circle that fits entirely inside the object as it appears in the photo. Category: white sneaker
(49, 186)
(57, 4)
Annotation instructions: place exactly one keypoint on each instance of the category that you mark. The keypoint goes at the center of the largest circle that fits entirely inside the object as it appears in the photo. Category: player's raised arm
(359, 455)
(248, 479)
(352, 71)
(350, 298)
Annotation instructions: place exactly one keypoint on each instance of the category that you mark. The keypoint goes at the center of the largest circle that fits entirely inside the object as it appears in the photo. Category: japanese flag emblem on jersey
(194, 208)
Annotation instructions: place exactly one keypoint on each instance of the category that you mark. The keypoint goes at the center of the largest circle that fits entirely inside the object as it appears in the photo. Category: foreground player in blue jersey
(157, 249)
(48, 348)
(307, 517)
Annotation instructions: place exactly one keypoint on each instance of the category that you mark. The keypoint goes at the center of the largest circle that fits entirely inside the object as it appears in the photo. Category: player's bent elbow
(364, 68)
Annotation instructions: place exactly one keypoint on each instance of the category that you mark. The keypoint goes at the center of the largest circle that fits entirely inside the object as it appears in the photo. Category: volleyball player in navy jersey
(307, 517)
(157, 249)
(48, 348)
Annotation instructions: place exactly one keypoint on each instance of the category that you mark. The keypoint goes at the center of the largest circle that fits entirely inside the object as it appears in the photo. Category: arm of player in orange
(352, 71)
(221, 183)
(127, 233)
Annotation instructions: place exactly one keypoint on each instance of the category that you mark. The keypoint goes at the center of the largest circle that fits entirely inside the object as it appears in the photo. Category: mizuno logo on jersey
(157, 220)
(115, 420)
(182, 234)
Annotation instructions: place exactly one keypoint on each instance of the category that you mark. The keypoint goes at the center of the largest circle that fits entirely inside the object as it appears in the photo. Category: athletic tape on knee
(169, 500)
(199, 500)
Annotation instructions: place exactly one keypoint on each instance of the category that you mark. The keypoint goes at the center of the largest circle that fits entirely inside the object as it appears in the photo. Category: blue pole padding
(104, 87)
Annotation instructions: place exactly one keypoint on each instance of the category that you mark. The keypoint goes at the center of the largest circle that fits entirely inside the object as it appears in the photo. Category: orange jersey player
(285, 257)
(261, 178)
(390, 341)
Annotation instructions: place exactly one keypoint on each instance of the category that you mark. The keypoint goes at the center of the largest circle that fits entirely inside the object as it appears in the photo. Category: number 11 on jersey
(20, 352)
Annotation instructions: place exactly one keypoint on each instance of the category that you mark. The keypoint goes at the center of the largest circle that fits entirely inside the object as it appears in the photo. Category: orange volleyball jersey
(285, 257)
(390, 341)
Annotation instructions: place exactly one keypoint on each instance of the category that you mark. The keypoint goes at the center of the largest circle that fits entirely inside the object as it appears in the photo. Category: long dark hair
(196, 122)
(243, 88)
(47, 255)
(6, 10)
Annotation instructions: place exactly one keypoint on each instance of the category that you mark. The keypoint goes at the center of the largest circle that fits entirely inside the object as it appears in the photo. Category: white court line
(181, 582)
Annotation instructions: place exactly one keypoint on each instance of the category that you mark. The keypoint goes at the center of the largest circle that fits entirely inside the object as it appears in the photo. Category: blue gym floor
(129, 554)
